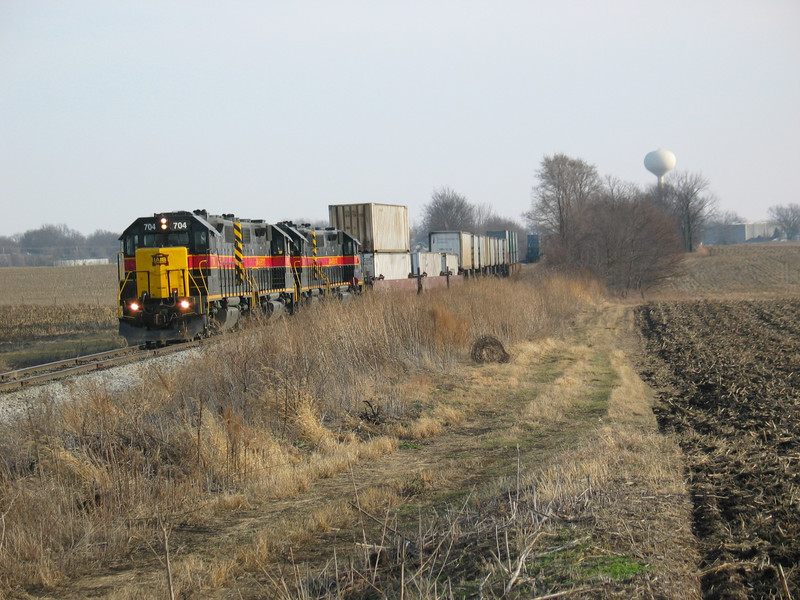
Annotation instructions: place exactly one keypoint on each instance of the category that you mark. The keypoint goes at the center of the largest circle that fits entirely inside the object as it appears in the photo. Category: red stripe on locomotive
(212, 261)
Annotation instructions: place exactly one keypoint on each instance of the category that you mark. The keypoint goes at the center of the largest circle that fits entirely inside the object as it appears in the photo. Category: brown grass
(599, 511)
(265, 414)
(259, 416)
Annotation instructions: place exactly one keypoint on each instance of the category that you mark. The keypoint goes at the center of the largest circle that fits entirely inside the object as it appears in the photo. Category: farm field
(52, 313)
(728, 376)
(90, 284)
(743, 270)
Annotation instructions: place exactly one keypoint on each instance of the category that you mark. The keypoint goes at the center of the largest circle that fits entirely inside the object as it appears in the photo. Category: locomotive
(186, 274)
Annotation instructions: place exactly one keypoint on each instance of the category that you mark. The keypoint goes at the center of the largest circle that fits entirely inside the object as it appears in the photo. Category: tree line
(787, 219)
(629, 237)
(50, 243)
(450, 211)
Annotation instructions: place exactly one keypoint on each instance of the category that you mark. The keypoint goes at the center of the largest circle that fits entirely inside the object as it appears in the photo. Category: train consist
(186, 274)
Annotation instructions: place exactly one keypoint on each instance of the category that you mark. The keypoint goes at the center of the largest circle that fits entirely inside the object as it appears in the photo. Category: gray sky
(110, 110)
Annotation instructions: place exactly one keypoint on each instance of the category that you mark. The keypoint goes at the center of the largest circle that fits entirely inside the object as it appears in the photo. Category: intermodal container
(510, 237)
(379, 227)
(386, 265)
(449, 263)
(428, 263)
(479, 258)
(454, 242)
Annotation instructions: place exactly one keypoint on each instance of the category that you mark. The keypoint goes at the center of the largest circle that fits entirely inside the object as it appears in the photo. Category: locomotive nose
(160, 272)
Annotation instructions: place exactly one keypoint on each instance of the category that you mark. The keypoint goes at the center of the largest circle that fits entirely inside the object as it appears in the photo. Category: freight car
(492, 254)
(185, 274)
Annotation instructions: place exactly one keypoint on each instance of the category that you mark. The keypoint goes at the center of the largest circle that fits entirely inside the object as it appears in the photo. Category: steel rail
(39, 374)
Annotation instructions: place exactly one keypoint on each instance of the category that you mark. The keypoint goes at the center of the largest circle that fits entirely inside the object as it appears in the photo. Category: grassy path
(548, 477)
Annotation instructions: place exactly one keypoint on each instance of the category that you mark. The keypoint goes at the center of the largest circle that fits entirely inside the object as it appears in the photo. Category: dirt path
(542, 410)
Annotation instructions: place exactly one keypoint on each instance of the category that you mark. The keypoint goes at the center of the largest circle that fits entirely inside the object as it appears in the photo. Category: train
(188, 274)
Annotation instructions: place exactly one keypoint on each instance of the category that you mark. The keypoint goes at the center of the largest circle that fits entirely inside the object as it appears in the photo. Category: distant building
(739, 233)
(79, 262)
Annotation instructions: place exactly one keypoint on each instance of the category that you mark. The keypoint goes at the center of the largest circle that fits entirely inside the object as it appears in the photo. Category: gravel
(114, 380)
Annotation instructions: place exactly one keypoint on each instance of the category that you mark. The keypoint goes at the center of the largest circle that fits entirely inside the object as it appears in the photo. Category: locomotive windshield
(195, 241)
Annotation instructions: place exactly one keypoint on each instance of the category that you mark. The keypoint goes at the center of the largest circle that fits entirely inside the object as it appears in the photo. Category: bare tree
(448, 211)
(566, 185)
(692, 204)
(486, 219)
(787, 218)
(483, 214)
(627, 241)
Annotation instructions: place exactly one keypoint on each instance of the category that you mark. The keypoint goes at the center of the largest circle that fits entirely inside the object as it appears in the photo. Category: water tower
(659, 163)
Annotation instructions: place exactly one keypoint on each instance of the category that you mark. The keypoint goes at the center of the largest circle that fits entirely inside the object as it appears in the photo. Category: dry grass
(607, 516)
(259, 416)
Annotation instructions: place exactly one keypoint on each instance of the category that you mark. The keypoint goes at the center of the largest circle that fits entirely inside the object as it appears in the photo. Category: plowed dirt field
(728, 375)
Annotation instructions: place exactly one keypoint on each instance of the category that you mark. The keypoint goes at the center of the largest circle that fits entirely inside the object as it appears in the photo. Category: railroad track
(39, 374)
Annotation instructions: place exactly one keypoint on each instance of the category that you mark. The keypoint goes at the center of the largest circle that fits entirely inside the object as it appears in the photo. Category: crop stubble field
(51, 313)
(729, 375)
(742, 270)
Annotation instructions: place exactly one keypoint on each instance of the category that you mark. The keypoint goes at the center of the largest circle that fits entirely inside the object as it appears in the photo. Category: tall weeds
(256, 415)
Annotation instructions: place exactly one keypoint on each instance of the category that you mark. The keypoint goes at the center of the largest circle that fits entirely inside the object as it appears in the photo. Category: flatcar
(186, 274)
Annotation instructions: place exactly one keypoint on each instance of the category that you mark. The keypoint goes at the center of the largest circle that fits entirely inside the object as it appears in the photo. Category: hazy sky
(110, 110)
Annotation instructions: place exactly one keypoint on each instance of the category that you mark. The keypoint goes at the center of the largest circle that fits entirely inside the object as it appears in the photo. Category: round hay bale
(489, 349)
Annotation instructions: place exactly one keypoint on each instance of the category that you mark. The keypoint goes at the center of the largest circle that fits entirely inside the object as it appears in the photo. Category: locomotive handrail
(297, 263)
(203, 278)
(321, 275)
(122, 288)
(119, 294)
(254, 290)
(183, 277)
(127, 277)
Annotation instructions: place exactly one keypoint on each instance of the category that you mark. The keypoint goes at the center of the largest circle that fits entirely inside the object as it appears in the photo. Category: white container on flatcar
(379, 227)
(386, 265)
(492, 251)
(510, 237)
(429, 263)
(503, 236)
(513, 250)
(479, 258)
(454, 242)
(449, 263)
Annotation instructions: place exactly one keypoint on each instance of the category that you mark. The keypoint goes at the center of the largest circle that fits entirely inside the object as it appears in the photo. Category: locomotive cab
(162, 288)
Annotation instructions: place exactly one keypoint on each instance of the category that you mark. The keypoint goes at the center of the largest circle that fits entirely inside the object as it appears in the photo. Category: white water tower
(659, 163)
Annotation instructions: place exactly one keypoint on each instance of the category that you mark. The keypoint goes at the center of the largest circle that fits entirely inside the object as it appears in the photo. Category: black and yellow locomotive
(185, 274)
